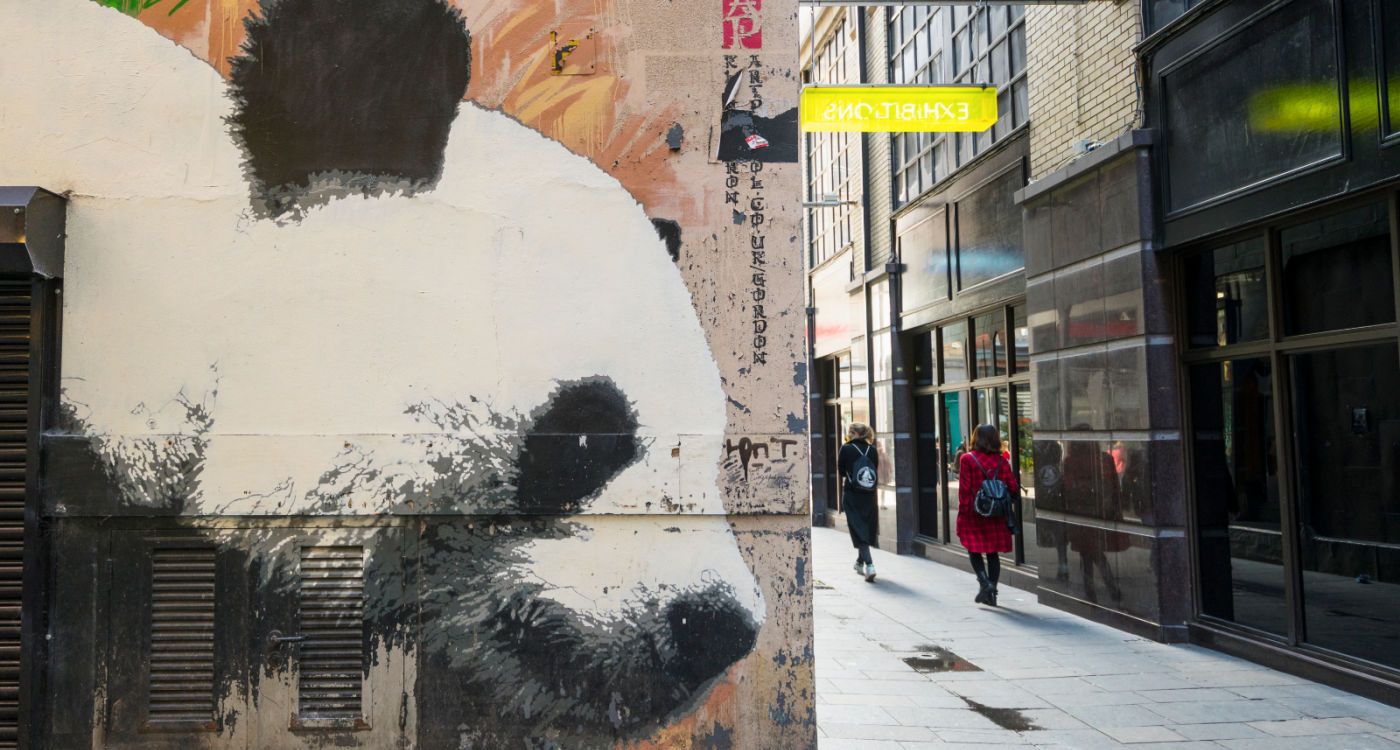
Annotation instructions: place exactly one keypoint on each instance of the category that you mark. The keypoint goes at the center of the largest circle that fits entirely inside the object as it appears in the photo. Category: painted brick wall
(1082, 77)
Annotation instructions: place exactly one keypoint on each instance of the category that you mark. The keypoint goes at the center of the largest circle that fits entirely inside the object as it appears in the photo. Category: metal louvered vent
(14, 422)
(330, 685)
(181, 689)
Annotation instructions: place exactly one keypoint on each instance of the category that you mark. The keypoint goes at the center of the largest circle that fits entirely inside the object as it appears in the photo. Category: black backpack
(862, 474)
(993, 497)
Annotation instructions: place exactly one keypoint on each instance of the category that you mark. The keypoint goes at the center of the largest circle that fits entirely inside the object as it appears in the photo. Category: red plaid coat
(979, 533)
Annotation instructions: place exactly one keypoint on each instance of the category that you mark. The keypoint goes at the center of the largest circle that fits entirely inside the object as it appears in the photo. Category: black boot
(992, 595)
(984, 596)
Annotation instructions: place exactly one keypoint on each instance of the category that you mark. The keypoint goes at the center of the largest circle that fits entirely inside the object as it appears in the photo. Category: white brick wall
(1082, 77)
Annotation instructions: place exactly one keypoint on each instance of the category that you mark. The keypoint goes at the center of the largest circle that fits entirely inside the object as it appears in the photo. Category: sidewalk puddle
(939, 659)
(1006, 718)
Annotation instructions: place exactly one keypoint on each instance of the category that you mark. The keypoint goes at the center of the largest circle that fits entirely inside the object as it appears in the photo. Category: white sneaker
(860, 569)
(870, 573)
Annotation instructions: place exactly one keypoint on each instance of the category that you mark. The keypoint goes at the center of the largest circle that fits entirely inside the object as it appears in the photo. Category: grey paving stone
(1079, 739)
(1140, 682)
(1134, 735)
(1335, 742)
(854, 699)
(981, 737)
(878, 732)
(1056, 686)
(831, 713)
(907, 675)
(1316, 727)
(1096, 697)
(1206, 712)
(1188, 694)
(1052, 718)
(887, 687)
(838, 743)
(941, 718)
(1103, 717)
(1179, 745)
(1222, 731)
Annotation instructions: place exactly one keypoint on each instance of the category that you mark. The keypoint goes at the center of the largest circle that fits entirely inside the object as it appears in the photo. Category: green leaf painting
(136, 7)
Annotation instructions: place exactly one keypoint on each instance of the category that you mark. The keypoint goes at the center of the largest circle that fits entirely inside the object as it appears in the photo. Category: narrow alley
(910, 662)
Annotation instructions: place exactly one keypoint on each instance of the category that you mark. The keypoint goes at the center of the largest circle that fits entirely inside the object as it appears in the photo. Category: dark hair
(987, 439)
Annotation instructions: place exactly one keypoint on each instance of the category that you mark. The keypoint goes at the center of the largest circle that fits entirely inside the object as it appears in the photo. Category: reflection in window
(1347, 427)
(1237, 493)
(1226, 297)
(1233, 110)
(990, 240)
(884, 431)
(880, 305)
(1025, 464)
(989, 349)
(1021, 339)
(1390, 48)
(924, 249)
(923, 359)
(1336, 272)
(955, 353)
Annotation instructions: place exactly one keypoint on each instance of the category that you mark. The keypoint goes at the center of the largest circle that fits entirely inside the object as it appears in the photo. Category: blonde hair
(860, 431)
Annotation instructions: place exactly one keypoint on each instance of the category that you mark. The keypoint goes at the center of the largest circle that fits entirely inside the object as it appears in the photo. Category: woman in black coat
(858, 464)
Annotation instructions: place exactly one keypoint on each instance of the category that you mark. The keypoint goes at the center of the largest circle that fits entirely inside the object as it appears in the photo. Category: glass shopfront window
(1337, 272)
(1297, 530)
(982, 382)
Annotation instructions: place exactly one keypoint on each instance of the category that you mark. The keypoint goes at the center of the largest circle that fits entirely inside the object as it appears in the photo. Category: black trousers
(860, 521)
(991, 567)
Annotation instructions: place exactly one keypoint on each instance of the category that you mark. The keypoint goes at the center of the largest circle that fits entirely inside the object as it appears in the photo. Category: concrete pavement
(910, 662)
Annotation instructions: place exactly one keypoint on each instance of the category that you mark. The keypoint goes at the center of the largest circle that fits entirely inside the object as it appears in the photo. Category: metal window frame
(1278, 348)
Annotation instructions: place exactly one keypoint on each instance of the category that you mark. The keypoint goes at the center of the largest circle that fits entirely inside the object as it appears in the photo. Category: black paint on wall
(357, 93)
(584, 435)
(670, 232)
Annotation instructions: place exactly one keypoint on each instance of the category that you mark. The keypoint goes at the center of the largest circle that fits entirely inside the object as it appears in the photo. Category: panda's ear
(359, 91)
(670, 233)
(577, 441)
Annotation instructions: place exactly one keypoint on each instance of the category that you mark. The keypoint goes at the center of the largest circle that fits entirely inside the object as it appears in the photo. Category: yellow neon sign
(898, 109)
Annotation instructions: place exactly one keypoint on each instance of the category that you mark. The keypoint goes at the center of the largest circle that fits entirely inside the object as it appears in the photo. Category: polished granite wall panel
(1049, 406)
(1109, 466)
(1116, 569)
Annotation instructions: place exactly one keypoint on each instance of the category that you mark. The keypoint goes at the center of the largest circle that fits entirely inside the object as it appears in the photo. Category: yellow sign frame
(881, 108)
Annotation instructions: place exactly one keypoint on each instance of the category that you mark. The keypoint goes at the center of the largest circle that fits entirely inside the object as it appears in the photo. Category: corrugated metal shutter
(181, 687)
(15, 312)
(331, 670)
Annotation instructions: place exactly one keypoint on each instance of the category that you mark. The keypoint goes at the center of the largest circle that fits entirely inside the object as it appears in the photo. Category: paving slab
(1040, 678)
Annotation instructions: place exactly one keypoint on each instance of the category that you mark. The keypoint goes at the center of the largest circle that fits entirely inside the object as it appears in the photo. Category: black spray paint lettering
(749, 450)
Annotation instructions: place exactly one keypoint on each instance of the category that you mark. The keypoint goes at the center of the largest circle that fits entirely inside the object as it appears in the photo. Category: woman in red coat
(980, 534)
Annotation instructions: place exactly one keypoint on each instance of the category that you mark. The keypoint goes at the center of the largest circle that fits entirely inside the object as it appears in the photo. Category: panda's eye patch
(577, 441)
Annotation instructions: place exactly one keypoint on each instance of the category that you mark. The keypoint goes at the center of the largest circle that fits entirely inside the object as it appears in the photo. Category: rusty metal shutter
(331, 670)
(15, 313)
(181, 684)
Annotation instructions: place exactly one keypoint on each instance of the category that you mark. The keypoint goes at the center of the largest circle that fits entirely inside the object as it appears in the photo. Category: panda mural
(327, 288)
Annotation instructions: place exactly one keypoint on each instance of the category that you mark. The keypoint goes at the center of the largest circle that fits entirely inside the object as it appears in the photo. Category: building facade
(1172, 286)
(382, 375)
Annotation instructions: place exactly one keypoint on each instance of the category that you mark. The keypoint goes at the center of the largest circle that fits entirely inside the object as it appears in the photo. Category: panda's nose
(710, 631)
